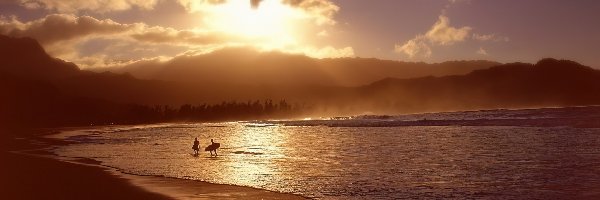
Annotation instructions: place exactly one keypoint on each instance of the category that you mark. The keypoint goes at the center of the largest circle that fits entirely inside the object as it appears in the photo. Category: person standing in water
(196, 146)
(213, 147)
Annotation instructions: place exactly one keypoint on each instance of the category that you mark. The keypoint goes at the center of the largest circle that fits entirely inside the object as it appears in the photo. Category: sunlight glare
(270, 25)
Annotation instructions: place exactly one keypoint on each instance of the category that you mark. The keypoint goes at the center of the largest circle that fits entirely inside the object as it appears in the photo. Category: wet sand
(28, 177)
(30, 172)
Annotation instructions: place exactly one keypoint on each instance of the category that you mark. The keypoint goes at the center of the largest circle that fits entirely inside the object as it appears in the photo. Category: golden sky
(101, 33)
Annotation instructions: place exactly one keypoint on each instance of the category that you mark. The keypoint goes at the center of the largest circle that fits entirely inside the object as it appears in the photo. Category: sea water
(337, 162)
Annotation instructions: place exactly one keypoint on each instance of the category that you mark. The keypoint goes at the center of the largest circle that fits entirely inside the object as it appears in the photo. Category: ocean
(548, 153)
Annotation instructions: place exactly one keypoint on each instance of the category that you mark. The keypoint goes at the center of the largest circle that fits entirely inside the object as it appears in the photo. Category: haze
(321, 57)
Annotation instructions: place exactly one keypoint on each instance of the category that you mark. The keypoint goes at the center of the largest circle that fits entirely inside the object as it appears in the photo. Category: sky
(107, 33)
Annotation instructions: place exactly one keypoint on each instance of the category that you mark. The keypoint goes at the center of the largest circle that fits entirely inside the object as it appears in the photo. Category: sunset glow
(271, 24)
(99, 33)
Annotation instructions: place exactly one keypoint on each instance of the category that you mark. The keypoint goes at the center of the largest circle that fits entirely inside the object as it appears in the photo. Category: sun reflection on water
(345, 162)
(260, 145)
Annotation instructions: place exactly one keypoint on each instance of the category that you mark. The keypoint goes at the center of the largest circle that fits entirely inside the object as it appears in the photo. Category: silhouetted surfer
(212, 147)
(196, 146)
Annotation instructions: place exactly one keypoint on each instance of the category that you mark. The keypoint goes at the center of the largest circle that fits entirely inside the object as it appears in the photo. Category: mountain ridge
(248, 67)
(549, 82)
(45, 87)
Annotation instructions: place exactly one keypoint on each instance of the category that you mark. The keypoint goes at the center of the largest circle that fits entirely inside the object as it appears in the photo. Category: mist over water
(491, 162)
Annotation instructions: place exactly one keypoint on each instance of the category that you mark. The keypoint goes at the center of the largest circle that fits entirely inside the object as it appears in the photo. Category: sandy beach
(30, 172)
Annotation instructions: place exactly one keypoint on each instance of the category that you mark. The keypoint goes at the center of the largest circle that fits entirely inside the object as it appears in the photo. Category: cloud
(482, 51)
(173, 36)
(68, 36)
(203, 5)
(291, 26)
(483, 37)
(64, 27)
(99, 6)
(329, 52)
(489, 37)
(92, 42)
(322, 10)
(441, 33)
(415, 47)
(59, 27)
(118, 52)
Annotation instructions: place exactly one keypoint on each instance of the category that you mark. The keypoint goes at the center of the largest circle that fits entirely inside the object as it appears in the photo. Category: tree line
(224, 111)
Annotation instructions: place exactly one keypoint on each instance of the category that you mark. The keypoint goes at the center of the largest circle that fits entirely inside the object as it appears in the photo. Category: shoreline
(40, 177)
(35, 172)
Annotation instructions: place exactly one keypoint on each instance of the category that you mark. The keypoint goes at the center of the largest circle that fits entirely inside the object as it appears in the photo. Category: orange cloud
(490, 37)
(415, 47)
(322, 10)
(66, 35)
(441, 33)
(482, 51)
(59, 27)
(100, 6)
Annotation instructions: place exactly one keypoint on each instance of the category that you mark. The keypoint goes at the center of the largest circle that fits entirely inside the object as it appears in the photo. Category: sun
(271, 25)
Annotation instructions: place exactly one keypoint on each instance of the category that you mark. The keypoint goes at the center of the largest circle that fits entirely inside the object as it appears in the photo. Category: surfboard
(212, 147)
